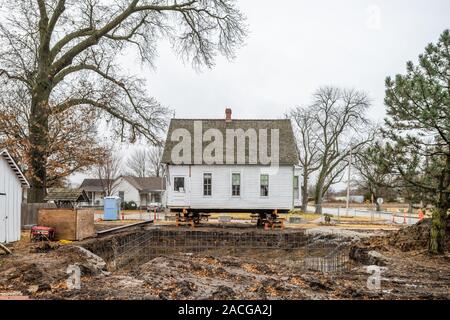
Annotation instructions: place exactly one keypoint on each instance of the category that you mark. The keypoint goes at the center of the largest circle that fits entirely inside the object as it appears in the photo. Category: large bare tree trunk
(439, 220)
(39, 114)
(305, 192)
(318, 196)
(39, 141)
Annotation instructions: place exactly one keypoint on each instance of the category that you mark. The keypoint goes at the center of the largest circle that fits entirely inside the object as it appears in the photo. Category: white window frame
(240, 184)
(268, 185)
(296, 191)
(203, 184)
(184, 187)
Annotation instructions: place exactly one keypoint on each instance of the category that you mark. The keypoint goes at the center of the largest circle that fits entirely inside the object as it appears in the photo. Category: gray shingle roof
(287, 145)
(66, 194)
(146, 184)
(92, 185)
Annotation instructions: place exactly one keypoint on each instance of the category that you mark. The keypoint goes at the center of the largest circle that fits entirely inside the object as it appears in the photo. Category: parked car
(155, 205)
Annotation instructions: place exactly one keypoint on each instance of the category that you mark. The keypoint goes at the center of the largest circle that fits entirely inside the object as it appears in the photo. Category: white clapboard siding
(280, 187)
(10, 204)
(130, 192)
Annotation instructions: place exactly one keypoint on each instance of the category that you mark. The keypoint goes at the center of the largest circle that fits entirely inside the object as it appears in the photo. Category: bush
(130, 205)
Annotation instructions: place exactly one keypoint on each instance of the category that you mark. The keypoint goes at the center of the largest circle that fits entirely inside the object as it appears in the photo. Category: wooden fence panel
(29, 212)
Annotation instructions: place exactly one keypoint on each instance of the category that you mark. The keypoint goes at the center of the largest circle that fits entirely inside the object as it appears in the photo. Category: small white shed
(12, 184)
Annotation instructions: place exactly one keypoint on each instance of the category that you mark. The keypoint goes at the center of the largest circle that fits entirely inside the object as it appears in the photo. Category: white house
(218, 165)
(12, 185)
(143, 191)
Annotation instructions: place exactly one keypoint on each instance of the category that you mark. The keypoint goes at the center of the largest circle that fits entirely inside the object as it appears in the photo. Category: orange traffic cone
(421, 215)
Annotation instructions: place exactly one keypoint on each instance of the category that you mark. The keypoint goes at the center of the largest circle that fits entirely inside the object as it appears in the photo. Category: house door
(3, 218)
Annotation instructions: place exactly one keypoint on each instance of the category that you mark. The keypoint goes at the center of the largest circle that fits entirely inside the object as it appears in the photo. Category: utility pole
(348, 180)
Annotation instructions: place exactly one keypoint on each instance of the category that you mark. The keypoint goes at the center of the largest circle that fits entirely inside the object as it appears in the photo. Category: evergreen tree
(418, 128)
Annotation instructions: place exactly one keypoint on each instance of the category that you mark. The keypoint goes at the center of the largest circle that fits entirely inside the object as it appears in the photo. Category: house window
(122, 195)
(207, 184)
(236, 184)
(264, 179)
(178, 184)
(296, 191)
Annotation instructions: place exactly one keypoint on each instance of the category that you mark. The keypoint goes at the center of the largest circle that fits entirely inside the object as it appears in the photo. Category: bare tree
(73, 144)
(63, 55)
(374, 175)
(107, 172)
(138, 163)
(146, 162)
(155, 156)
(340, 115)
(308, 146)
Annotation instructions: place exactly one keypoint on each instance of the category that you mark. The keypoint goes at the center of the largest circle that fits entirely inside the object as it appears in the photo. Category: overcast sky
(295, 46)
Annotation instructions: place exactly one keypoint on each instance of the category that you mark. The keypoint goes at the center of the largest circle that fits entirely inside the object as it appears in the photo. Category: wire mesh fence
(399, 217)
(139, 248)
(326, 257)
(162, 241)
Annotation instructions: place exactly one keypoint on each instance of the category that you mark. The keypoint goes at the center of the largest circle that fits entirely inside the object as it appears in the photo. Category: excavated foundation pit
(128, 250)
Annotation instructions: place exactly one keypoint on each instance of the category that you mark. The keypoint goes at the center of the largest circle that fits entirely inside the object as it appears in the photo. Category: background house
(12, 185)
(94, 190)
(142, 191)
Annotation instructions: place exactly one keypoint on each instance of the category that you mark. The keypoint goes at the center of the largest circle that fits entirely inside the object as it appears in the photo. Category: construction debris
(5, 249)
(229, 263)
(367, 256)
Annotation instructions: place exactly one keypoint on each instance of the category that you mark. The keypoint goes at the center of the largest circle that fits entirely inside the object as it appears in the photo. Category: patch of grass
(233, 215)
(366, 226)
(309, 216)
(356, 219)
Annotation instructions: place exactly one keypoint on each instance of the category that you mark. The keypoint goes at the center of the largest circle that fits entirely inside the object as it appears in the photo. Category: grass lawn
(246, 216)
(233, 215)
(309, 216)
(356, 219)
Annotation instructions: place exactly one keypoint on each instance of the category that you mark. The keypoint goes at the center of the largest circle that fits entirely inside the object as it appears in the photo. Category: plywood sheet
(85, 224)
(69, 224)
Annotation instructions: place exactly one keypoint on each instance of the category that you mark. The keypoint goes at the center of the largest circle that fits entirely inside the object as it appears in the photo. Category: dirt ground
(407, 271)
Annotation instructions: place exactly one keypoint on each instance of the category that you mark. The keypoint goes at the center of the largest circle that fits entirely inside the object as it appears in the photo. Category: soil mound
(415, 237)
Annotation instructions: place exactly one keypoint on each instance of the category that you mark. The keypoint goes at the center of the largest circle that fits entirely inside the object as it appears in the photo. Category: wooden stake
(5, 249)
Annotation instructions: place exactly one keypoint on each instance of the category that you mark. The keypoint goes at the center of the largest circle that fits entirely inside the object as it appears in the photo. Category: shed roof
(5, 154)
(66, 194)
(287, 146)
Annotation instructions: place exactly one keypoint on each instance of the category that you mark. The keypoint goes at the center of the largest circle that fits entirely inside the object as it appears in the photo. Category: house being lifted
(231, 165)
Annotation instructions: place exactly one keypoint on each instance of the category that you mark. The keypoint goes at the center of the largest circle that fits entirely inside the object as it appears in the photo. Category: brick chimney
(228, 115)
